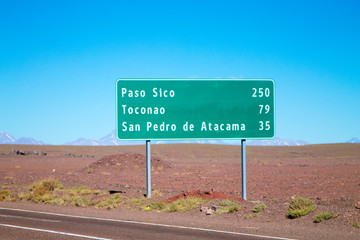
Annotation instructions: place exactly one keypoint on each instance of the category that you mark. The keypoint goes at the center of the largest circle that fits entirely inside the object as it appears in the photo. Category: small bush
(66, 198)
(300, 207)
(229, 206)
(110, 202)
(227, 203)
(136, 202)
(89, 170)
(57, 201)
(22, 196)
(233, 209)
(357, 224)
(82, 190)
(252, 215)
(83, 201)
(49, 184)
(39, 191)
(156, 193)
(324, 216)
(46, 198)
(50, 191)
(41, 188)
(174, 207)
(259, 208)
(184, 204)
(5, 195)
(154, 206)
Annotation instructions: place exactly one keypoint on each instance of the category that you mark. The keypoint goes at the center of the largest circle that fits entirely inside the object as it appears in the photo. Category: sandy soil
(329, 174)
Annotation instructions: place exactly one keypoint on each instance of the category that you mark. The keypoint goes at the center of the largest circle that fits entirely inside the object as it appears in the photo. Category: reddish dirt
(127, 162)
(328, 174)
(203, 194)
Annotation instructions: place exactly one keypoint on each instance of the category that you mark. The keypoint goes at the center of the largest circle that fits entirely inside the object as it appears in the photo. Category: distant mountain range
(6, 138)
(110, 139)
(353, 140)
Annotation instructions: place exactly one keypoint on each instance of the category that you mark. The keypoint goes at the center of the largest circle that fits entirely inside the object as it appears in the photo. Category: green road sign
(154, 109)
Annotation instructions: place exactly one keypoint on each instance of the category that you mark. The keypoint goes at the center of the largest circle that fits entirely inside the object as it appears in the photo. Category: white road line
(150, 224)
(54, 232)
(36, 219)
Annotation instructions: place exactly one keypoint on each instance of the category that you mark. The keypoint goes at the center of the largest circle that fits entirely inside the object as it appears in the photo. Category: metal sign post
(243, 168)
(148, 169)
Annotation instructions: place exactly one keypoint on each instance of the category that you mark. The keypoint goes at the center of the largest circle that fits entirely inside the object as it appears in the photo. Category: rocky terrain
(329, 175)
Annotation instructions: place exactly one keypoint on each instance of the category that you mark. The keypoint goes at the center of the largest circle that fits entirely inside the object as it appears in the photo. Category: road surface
(23, 224)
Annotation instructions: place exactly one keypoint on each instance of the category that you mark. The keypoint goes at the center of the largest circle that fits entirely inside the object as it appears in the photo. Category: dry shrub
(110, 202)
(89, 170)
(156, 193)
(259, 208)
(184, 204)
(229, 206)
(300, 207)
(41, 188)
(356, 224)
(324, 216)
(5, 195)
(49, 184)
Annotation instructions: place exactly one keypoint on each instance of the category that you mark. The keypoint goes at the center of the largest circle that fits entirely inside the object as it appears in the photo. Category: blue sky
(59, 61)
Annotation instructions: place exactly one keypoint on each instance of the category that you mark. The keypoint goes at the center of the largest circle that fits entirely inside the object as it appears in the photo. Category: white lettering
(142, 110)
(188, 127)
(163, 93)
(132, 93)
(203, 126)
(131, 128)
(124, 126)
(235, 127)
(163, 127)
(123, 91)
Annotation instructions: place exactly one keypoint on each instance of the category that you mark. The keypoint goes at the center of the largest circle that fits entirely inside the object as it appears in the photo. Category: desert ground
(328, 174)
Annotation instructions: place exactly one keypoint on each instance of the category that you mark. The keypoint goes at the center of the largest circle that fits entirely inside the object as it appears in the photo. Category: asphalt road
(19, 224)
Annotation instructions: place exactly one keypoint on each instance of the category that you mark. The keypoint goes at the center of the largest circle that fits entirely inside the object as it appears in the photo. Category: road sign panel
(154, 109)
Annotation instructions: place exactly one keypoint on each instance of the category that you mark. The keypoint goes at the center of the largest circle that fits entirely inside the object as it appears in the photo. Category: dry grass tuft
(180, 205)
(356, 225)
(156, 193)
(259, 208)
(49, 184)
(6, 195)
(229, 206)
(300, 207)
(110, 202)
(40, 190)
(183, 205)
(324, 216)
(252, 215)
